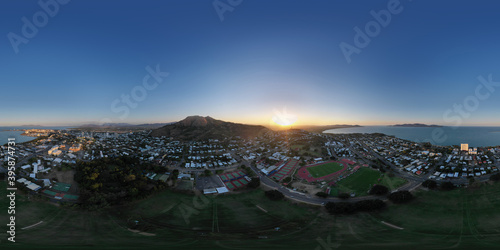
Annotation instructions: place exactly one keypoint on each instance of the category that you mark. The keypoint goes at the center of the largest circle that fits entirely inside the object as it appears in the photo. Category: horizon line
(265, 125)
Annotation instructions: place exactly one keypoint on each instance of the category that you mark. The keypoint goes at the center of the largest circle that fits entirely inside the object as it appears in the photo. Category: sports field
(459, 219)
(286, 170)
(324, 169)
(361, 181)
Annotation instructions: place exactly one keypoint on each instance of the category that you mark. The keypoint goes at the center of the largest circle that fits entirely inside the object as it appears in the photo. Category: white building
(473, 151)
(55, 151)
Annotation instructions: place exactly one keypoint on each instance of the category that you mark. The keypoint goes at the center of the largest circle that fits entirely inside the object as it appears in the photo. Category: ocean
(443, 136)
(5, 134)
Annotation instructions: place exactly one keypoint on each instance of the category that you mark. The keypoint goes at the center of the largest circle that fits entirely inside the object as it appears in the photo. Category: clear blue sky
(264, 56)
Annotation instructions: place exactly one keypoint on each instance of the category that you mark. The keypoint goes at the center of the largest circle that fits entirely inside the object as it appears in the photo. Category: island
(417, 125)
(320, 129)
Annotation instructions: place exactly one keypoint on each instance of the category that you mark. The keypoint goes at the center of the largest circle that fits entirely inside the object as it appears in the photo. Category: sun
(284, 122)
(284, 118)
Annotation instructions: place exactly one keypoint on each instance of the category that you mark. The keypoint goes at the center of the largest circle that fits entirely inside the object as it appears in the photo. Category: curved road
(314, 200)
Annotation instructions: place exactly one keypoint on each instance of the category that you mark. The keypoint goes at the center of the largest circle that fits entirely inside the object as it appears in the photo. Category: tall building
(465, 147)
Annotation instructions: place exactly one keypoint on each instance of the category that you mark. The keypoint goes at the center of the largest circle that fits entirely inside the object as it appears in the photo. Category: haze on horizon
(264, 57)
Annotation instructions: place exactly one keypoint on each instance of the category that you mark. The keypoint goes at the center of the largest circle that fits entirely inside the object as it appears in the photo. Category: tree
(401, 197)
(287, 179)
(133, 192)
(110, 181)
(379, 190)
(175, 174)
(471, 180)
(274, 195)
(490, 154)
(254, 183)
(447, 186)
(130, 177)
(208, 172)
(430, 184)
(32, 160)
(322, 194)
(344, 196)
(248, 170)
(495, 177)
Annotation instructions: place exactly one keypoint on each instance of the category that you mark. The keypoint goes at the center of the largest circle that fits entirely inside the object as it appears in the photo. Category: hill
(203, 128)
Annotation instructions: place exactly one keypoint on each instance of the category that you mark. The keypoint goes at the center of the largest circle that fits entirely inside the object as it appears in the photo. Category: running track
(304, 173)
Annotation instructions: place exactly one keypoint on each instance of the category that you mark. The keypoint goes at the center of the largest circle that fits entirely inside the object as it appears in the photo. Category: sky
(321, 62)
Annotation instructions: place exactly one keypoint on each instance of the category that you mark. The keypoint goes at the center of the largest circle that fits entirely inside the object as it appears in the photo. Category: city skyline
(248, 63)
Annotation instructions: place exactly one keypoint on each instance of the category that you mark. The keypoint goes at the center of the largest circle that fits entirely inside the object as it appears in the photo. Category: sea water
(474, 136)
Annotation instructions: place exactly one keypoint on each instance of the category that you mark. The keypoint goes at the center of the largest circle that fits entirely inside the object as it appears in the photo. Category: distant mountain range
(321, 128)
(203, 128)
(122, 126)
(417, 125)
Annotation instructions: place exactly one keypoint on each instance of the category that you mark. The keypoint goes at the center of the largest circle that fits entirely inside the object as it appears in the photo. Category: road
(312, 199)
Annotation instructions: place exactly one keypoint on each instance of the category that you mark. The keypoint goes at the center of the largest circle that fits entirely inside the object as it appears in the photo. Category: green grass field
(361, 181)
(313, 151)
(235, 212)
(459, 219)
(325, 169)
(175, 221)
(297, 146)
(185, 185)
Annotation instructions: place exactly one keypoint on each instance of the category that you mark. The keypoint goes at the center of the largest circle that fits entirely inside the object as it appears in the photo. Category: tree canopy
(254, 183)
(108, 181)
(430, 184)
(274, 195)
(401, 197)
(447, 186)
(379, 190)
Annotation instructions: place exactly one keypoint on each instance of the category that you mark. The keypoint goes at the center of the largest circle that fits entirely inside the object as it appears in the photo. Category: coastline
(18, 135)
(33, 137)
(448, 136)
